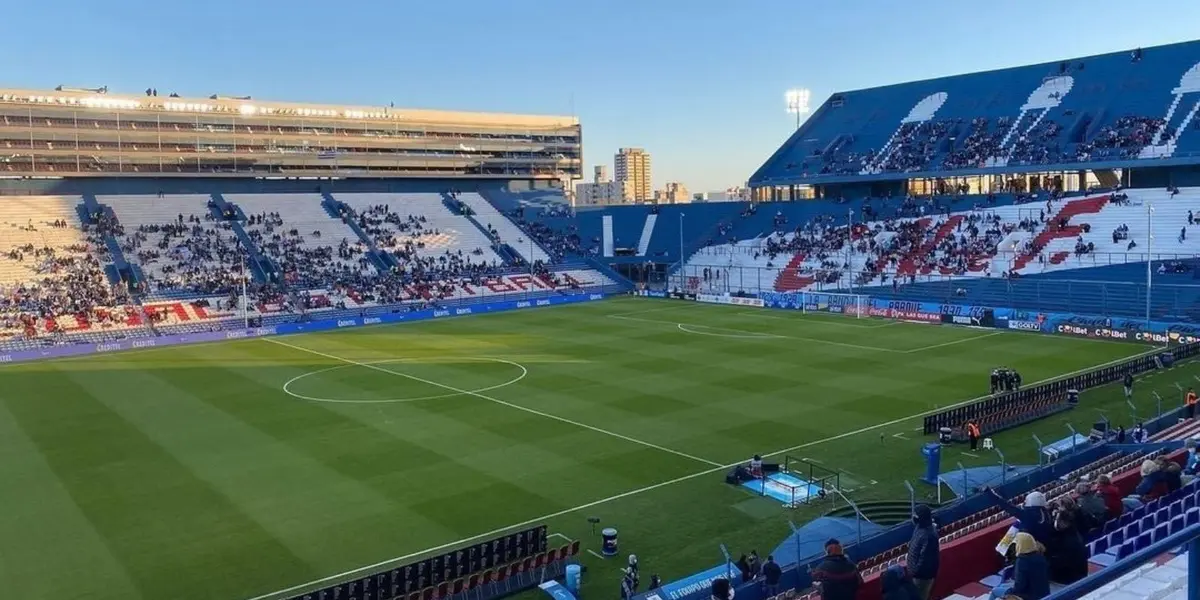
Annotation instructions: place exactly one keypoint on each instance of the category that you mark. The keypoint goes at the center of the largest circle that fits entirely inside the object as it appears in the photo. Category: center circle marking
(481, 359)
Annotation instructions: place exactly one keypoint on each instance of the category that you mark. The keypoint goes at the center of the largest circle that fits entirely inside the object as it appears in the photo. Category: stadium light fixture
(798, 103)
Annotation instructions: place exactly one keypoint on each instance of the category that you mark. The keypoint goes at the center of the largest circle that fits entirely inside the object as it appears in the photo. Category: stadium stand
(310, 246)
(52, 278)
(1046, 115)
(178, 243)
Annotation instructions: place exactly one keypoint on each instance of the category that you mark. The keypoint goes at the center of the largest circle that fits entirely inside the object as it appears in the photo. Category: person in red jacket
(1111, 495)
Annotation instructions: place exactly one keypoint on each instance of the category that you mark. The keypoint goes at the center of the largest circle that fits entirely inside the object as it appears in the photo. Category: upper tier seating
(310, 246)
(1059, 113)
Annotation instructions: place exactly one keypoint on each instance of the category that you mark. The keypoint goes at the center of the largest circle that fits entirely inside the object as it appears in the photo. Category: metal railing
(1179, 300)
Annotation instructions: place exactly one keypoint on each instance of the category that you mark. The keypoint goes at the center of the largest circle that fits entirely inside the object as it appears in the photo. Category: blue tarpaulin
(964, 481)
(810, 540)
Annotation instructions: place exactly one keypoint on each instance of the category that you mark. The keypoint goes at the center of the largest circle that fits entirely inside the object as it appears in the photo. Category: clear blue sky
(698, 83)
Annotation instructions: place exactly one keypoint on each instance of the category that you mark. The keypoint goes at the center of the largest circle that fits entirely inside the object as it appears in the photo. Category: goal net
(854, 305)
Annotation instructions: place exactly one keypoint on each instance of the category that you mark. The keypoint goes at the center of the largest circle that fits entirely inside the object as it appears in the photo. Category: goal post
(854, 305)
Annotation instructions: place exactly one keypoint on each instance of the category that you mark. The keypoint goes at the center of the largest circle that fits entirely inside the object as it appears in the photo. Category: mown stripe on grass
(43, 533)
(148, 507)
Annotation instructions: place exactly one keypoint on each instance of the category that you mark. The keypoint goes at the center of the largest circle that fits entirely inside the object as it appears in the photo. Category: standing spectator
(1031, 573)
(1128, 386)
(1121, 435)
(771, 575)
(1066, 553)
(923, 551)
(973, 435)
(755, 564)
(1111, 495)
(1034, 518)
(1190, 401)
(897, 585)
(655, 582)
(837, 576)
(743, 565)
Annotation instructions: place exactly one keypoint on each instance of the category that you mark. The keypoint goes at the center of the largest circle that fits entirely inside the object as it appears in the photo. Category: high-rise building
(673, 193)
(601, 174)
(633, 166)
(609, 192)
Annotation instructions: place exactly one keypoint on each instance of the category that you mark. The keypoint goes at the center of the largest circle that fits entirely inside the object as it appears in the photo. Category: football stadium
(259, 350)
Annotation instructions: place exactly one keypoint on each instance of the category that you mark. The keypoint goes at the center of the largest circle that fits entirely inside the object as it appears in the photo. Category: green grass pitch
(234, 470)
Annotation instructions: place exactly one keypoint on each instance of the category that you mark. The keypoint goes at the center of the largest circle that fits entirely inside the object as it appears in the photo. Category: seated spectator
(1093, 512)
(1031, 572)
(897, 585)
(1153, 485)
(1111, 495)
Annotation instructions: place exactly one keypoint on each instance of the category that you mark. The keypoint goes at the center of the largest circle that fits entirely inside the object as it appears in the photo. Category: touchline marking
(943, 345)
(496, 400)
(741, 336)
(758, 334)
(812, 319)
(634, 492)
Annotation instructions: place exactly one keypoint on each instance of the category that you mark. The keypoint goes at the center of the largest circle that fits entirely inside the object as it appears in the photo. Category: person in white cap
(1033, 516)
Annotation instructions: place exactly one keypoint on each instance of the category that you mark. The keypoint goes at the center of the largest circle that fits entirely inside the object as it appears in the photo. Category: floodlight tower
(797, 103)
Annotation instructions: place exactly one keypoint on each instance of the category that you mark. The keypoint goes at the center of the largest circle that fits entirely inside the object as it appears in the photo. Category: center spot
(397, 380)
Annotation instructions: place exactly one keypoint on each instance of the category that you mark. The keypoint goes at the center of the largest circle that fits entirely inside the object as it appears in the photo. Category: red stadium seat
(574, 547)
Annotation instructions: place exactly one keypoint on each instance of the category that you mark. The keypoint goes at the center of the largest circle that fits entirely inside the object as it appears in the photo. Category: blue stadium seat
(1161, 532)
(1125, 550)
(1133, 529)
(1177, 524)
(1143, 541)
(1117, 538)
(1193, 516)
